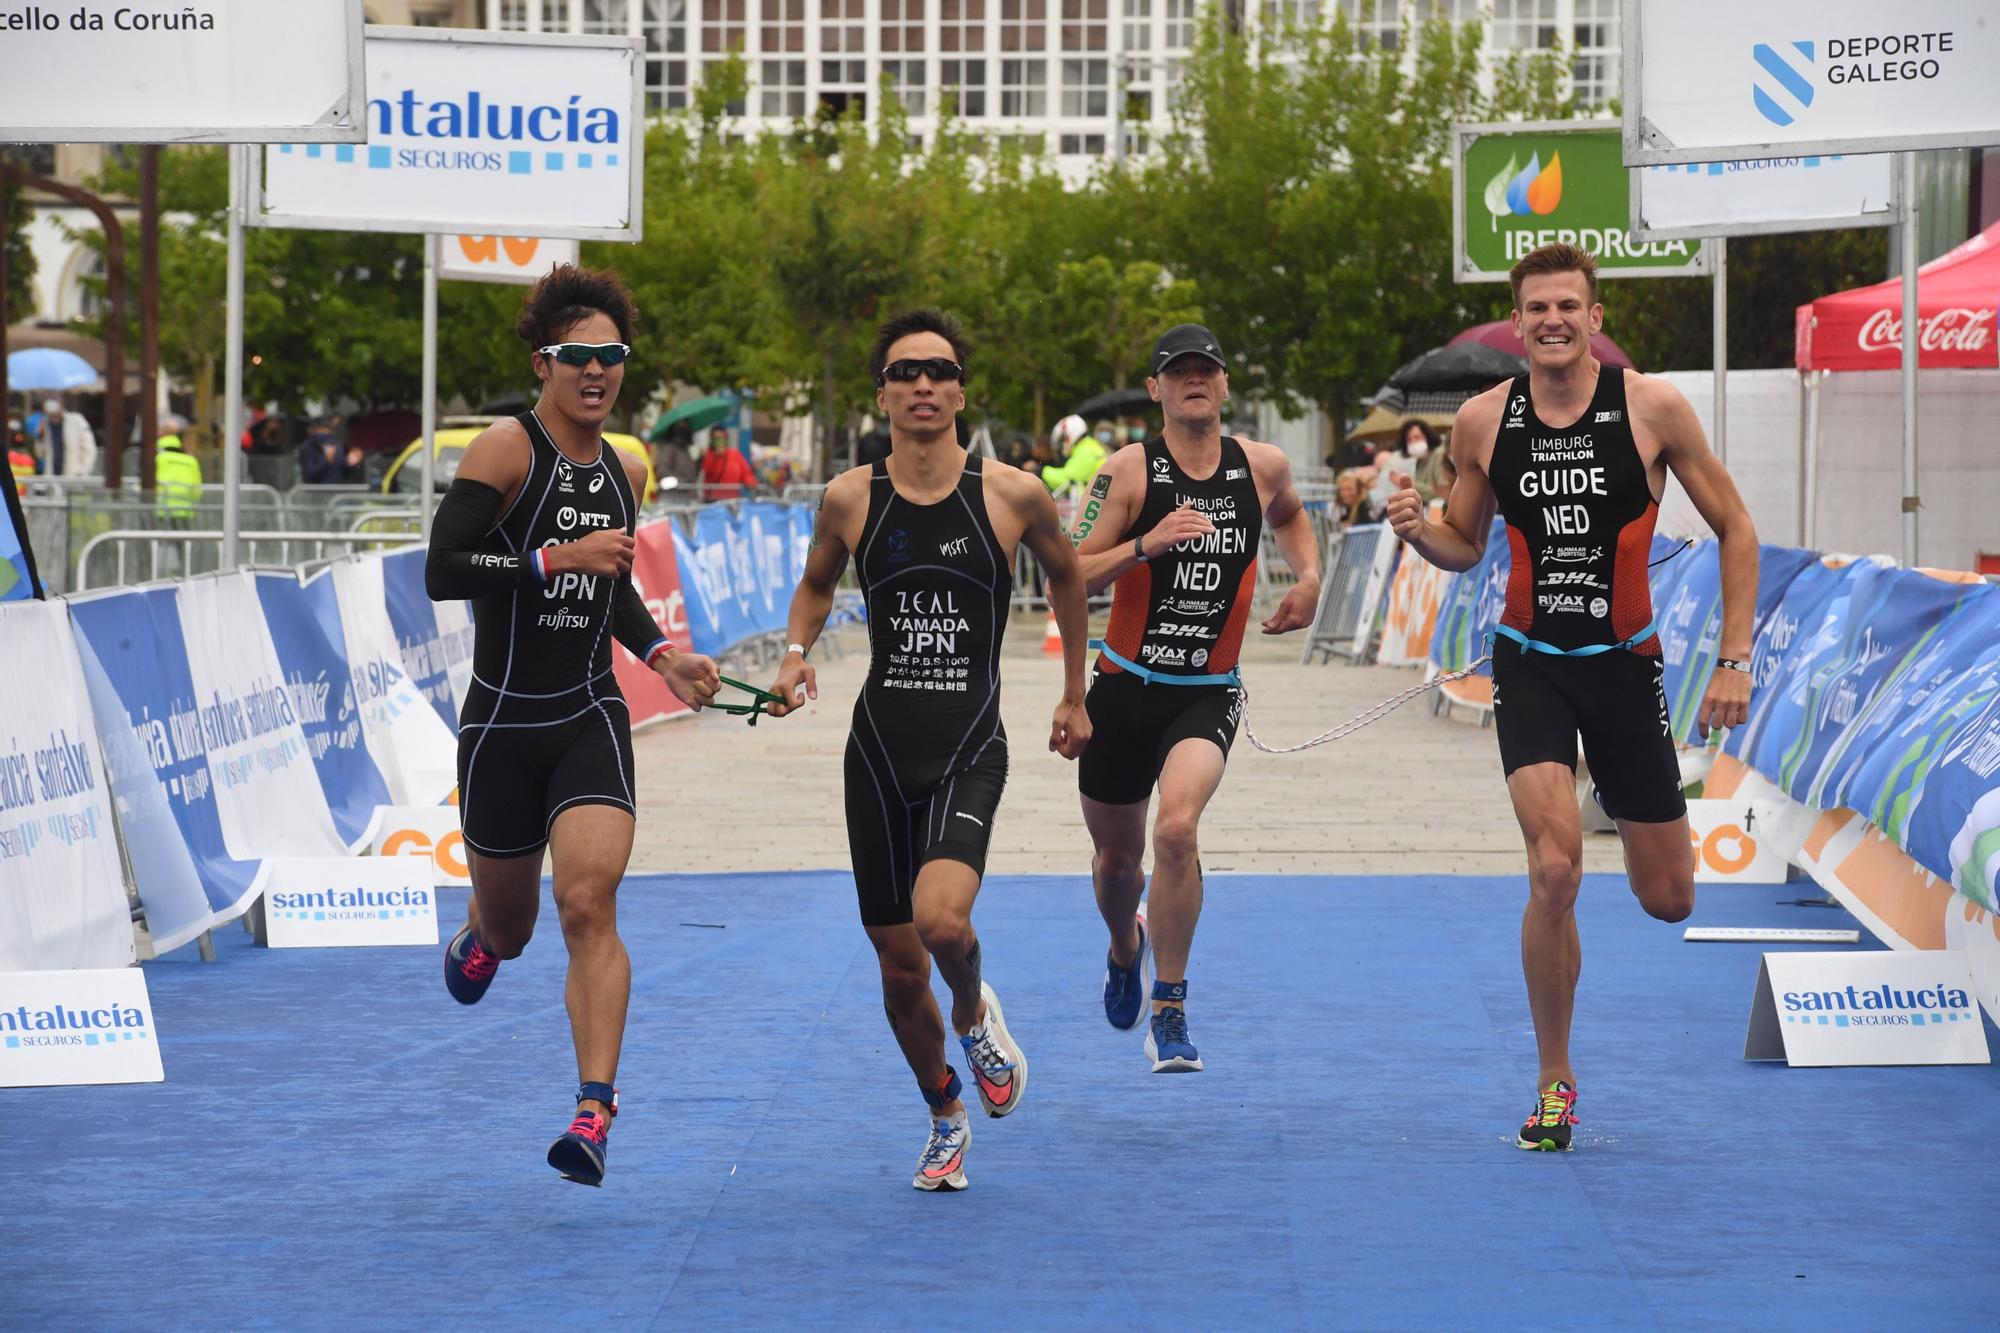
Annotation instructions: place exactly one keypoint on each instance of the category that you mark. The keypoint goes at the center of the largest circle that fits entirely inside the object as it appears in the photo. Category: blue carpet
(340, 1145)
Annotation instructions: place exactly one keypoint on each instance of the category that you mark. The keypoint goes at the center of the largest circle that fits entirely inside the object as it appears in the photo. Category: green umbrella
(698, 415)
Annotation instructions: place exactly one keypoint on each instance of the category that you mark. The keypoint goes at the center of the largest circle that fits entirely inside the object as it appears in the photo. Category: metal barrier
(382, 522)
(48, 535)
(177, 553)
(1350, 594)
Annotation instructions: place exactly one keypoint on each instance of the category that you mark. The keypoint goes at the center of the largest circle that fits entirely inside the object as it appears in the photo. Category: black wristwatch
(1731, 664)
(1139, 549)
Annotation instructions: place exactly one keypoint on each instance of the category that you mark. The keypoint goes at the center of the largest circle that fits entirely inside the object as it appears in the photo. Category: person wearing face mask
(1420, 446)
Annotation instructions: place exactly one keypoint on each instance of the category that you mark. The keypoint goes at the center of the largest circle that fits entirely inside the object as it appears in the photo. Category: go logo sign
(428, 831)
(1727, 847)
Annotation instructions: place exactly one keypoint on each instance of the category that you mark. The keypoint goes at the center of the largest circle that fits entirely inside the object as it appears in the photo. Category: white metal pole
(1720, 433)
(429, 465)
(1912, 335)
(232, 364)
(1809, 498)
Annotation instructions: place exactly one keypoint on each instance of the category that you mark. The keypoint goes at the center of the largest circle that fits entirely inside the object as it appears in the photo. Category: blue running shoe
(579, 1154)
(468, 967)
(1125, 987)
(1167, 1044)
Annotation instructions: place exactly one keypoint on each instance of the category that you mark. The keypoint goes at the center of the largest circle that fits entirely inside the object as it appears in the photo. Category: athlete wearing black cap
(1575, 455)
(1173, 528)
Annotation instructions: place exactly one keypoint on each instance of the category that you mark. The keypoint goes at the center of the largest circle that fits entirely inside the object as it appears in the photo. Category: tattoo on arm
(1093, 504)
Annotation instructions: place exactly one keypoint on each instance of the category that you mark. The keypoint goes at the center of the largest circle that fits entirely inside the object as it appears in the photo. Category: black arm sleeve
(631, 623)
(457, 569)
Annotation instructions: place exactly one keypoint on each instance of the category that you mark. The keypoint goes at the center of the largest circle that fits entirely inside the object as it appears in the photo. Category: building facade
(1047, 72)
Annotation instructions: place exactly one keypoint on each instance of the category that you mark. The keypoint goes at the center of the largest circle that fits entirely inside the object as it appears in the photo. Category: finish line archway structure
(1718, 81)
(469, 133)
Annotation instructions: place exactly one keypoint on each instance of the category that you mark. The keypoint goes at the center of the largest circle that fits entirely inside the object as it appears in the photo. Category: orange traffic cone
(1052, 637)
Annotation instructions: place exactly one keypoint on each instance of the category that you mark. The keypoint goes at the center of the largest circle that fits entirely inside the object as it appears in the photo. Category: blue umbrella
(40, 368)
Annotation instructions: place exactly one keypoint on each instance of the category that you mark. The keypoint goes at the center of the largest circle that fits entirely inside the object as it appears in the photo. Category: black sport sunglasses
(908, 370)
(582, 354)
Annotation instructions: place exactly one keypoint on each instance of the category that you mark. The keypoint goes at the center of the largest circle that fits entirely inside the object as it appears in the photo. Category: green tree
(20, 255)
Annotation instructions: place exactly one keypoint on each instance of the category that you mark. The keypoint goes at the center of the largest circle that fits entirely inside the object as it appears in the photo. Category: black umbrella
(1464, 366)
(1116, 403)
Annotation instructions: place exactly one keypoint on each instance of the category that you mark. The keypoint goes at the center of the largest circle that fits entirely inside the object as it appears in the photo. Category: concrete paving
(1412, 794)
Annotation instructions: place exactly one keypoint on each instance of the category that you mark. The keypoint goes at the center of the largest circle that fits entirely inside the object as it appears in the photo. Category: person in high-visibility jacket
(177, 475)
(1085, 454)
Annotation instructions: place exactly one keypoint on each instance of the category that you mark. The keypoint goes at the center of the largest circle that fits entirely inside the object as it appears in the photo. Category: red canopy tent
(1862, 329)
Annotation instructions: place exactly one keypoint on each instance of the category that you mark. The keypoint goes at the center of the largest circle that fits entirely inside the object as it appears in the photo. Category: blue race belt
(1588, 650)
(1151, 677)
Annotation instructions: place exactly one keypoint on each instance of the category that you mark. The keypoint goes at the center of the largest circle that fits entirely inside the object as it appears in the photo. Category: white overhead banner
(1782, 194)
(493, 133)
(1719, 80)
(234, 71)
(501, 258)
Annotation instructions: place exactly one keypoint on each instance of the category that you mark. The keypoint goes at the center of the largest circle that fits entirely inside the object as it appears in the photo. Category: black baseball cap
(1184, 340)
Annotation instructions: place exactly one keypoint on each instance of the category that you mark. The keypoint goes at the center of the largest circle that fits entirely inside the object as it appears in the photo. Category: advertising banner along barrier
(429, 654)
(62, 886)
(304, 622)
(1471, 606)
(656, 574)
(240, 71)
(135, 640)
(506, 134)
(410, 739)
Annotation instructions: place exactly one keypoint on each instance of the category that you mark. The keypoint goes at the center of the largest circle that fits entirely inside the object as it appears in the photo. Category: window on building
(1458, 11)
(510, 15)
(902, 26)
(666, 85)
(722, 25)
(1179, 35)
(1524, 25)
(1075, 144)
(555, 15)
(961, 25)
(1595, 71)
(665, 26)
(841, 27)
(782, 88)
(1024, 87)
(907, 78)
(964, 81)
(607, 16)
(1024, 25)
(1084, 26)
(1137, 32)
(782, 27)
(1085, 87)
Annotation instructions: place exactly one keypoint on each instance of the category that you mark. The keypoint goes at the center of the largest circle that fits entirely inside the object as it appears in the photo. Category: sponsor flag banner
(1472, 604)
(1790, 642)
(1866, 1007)
(723, 555)
(135, 641)
(1516, 187)
(455, 634)
(62, 886)
(801, 518)
(419, 638)
(501, 258)
(16, 583)
(769, 529)
(699, 584)
(1976, 930)
(304, 620)
(412, 743)
(428, 832)
(63, 1029)
(1687, 607)
(1729, 846)
(267, 793)
(1414, 599)
(656, 574)
(321, 903)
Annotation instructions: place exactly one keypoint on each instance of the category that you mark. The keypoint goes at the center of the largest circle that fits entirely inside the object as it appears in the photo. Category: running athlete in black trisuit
(1174, 528)
(932, 533)
(1575, 454)
(537, 531)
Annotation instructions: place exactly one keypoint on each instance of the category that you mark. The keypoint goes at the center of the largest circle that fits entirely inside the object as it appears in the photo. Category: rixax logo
(477, 132)
(59, 1025)
(1518, 191)
(1783, 87)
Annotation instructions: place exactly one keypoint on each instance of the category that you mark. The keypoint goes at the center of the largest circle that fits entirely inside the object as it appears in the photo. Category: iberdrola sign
(1517, 187)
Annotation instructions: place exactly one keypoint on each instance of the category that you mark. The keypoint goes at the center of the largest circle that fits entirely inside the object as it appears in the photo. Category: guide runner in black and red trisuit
(537, 530)
(932, 533)
(1173, 528)
(1575, 454)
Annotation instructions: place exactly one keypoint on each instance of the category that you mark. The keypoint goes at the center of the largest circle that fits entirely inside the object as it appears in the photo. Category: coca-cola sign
(1954, 329)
